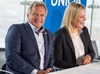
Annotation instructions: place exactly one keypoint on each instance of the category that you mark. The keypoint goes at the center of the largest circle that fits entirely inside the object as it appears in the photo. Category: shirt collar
(35, 29)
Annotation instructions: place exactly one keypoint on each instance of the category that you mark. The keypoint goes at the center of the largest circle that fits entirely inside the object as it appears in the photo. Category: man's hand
(45, 71)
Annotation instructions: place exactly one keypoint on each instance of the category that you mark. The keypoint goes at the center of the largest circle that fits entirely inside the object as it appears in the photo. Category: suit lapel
(45, 41)
(30, 32)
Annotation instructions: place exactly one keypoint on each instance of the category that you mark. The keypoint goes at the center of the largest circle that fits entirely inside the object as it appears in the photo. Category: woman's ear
(27, 14)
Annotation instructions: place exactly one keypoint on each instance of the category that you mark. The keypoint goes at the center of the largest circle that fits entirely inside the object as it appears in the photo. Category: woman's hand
(49, 70)
(86, 60)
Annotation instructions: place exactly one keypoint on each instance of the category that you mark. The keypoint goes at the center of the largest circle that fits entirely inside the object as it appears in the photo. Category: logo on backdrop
(62, 2)
(56, 10)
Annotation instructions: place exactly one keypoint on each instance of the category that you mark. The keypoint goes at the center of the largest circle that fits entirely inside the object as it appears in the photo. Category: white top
(79, 47)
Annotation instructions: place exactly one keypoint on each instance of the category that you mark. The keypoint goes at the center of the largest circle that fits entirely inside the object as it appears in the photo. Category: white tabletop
(93, 68)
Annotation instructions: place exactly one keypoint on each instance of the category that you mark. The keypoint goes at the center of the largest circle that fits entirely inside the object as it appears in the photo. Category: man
(29, 45)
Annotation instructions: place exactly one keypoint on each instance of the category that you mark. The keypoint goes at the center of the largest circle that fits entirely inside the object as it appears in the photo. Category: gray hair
(36, 3)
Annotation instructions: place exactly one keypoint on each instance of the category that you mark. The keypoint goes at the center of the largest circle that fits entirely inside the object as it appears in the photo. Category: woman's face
(78, 23)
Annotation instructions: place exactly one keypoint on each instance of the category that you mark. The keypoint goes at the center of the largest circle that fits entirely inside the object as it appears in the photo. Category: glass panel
(11, 12)
(88, 14)
(93, 20)
(95, 34)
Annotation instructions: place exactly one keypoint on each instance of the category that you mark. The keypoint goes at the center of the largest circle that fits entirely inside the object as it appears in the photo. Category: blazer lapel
(68, 38)
(83, 39)
(30, 32)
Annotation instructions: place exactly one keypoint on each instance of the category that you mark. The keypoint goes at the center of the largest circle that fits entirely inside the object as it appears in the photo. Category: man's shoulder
(16, 25)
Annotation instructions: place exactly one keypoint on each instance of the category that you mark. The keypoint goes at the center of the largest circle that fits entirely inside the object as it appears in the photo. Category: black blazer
(22, 52)
(64, 52)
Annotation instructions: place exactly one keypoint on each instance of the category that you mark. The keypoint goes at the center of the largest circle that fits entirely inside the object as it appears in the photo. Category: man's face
(37, 16)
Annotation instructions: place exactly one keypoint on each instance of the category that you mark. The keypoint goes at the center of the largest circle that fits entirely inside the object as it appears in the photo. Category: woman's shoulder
(61, 32)
(84, 28)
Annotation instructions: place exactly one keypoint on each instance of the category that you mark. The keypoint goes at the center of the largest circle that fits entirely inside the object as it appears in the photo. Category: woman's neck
(73, 29)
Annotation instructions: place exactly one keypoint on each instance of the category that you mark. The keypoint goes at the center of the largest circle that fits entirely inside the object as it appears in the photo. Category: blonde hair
(70, 14)
(36, 3)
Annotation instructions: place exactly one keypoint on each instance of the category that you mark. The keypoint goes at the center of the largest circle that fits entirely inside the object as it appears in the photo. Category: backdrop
(56, 10)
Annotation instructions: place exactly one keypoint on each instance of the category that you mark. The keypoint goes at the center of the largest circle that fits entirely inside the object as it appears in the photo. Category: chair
(97, 57)
(4, 72)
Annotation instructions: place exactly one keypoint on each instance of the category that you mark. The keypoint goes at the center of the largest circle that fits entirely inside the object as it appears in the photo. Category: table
(92, 68)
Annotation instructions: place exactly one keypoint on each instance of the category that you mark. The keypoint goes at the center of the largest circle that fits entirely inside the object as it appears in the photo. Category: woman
(72, 43)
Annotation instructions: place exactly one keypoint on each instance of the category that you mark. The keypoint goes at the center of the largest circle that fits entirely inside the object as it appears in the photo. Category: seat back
(5, 72)
(95, 49)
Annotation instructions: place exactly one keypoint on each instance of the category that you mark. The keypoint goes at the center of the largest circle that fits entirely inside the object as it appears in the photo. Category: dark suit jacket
(22, 52)
(64, 52)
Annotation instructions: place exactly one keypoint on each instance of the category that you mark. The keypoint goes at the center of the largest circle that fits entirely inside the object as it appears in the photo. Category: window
(93, 20)
(11, 12)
